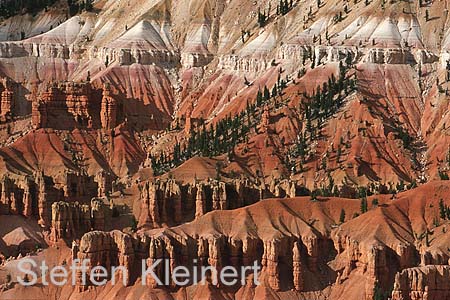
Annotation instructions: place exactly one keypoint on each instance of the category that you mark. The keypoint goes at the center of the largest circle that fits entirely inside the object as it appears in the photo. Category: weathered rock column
(98, 214)
(215, 247)
(235, 247)
(174, 192)
(74, 250)
(27, 200)
(200, 202)
(215, 197)
(222, 196)
(297, 268)
(149, 205)
(202, 251)
(270, 263)
(5, 200)
(42, 200)
(292, 190)
(312, 246)
(155, 252)
(154, 206)
(15, 205)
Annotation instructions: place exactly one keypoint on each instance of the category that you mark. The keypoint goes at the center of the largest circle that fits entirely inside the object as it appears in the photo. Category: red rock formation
(15, 204)
(78, 99)
(188, 116)
(99, 214)
(74, 250)
(67, 105)
(161, 201)
(219, 196)
(16, 196)
(39, 117)
(297, 268)
(420, 283)
(108, 112)
(42, 200)
(69, 220)
(72, 220)
(27, 200)
(392, 127)
(107, 249)
(150, 210)
(270, 263)
(200, 200)
(161, 248)
(202, 251)
(173, 196)
(5, 195)
(215, 253)
(7, 99)
(103, 180)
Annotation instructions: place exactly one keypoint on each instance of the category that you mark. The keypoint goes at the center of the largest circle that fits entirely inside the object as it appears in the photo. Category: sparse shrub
(375, 202)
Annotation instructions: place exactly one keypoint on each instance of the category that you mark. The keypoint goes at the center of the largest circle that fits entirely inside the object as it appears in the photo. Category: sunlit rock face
(309, 138)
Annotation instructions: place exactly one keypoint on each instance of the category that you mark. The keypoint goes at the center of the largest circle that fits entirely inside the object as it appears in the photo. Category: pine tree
(134, 224)
(88, 5)
(348, 60)
(363, 205)
(375, 202)
(261, 18)
(274, 91)
(377, 292)
(82, 6)
(259, 98)
(338, 154)
(313, 196)
(442, 209)
(342, 70)
(266, 93)
(342, 216)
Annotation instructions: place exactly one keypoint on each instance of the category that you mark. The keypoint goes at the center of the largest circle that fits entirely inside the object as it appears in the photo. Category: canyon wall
(70, 220)
(171, 202)
(420, 283)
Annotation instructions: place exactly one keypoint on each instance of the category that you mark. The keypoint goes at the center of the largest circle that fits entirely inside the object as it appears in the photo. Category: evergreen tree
(274, 91)
(442, 209)
(81, 7)
(363, 207)
(375, 202)
(348, 60)
(266, 93)
(377, 292)
(262, 18)
(88, 5)
(259, 98)
(342, 216)
(134, 224)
